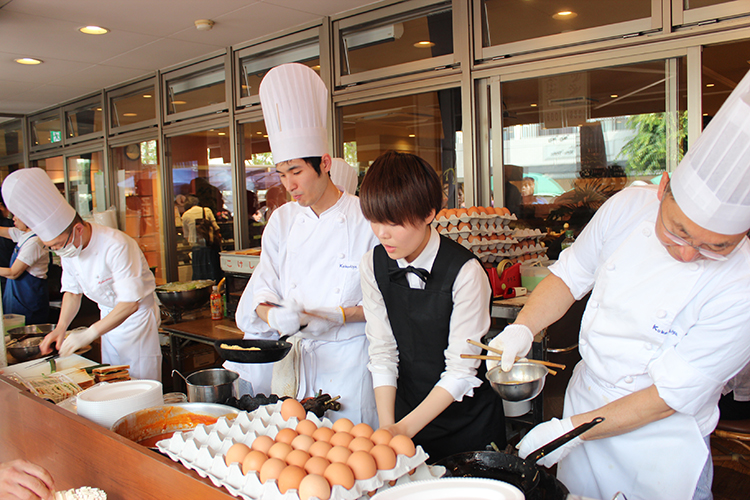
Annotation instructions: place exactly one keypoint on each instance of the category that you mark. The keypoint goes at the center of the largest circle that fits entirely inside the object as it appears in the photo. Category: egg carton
(203, 449)
(522, 234)
(504, 220)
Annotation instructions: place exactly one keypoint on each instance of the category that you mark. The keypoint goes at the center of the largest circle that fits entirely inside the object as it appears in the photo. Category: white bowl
(107, 403)
(452, 488)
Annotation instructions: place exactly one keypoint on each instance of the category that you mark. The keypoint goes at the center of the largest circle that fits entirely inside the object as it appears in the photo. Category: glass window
(570, 141)
(399, 40)
(202, 188)
(140, 202)
(427, 125)
(6, 170)
(55, 168)
(45, 131)
(84, 121)
(11, 138)
(697, 4)
(724, 65)
(255, 67)
(88, 193)
(265, 192)
(135, 107)
(196, 90)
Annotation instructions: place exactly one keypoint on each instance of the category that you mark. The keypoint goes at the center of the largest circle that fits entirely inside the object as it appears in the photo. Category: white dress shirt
(470, 319)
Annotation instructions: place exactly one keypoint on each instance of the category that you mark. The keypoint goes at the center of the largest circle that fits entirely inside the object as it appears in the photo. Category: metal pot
(183, 296)
(31, 330)
(25, 349)
(212, 385)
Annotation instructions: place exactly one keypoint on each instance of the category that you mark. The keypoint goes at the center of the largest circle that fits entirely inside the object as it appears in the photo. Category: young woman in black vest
(424, 295)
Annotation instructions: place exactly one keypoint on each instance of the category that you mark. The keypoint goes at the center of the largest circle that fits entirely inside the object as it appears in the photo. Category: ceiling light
(533, 105)
(28, 60)
(425, 44)
(705, 114)
(412, 135)
(613, 96)
(93, 30)
(316, 67)
(259, 133)
(130, 114)
(266, 135)
(179, 102)
(204, 24)
(710, 84)
(147, 96)
(564, 15)
(222, 133)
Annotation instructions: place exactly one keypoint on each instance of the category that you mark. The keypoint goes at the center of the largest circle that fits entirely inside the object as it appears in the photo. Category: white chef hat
(295, 107)
(343, 175)
(712, 182)
(32, 197)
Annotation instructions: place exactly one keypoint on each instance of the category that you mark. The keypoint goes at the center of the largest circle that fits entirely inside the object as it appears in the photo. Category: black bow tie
(401, 272)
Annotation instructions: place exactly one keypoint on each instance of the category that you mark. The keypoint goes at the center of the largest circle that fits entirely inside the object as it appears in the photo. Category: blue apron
(27, 295)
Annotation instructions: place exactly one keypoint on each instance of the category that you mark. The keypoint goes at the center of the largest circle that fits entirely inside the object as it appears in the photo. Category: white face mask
(69, 250)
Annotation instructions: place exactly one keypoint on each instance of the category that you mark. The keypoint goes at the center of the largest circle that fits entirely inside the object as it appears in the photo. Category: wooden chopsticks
(498, 358)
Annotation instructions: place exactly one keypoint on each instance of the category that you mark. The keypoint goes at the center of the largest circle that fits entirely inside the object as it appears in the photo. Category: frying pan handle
(568, 436)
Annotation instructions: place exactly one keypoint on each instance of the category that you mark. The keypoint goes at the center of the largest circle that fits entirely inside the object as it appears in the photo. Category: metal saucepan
(212, 385)
(24, 349)
(524, 474)
(31, 330)
(263, 351)
(183, 296)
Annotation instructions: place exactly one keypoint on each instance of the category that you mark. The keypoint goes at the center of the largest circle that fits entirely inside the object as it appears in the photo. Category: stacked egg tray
(203, 448)
(528, 246)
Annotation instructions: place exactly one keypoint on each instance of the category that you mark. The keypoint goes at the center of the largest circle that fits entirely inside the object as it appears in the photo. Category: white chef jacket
(32, 252)
(651, 320)
(470, 319)
(109, 270)
(314, 261)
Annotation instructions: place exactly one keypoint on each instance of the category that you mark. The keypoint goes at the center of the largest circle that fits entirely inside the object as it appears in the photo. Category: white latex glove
(286, 319)
(323, 319)
(78, 339)
(544, 433)
(515, 341)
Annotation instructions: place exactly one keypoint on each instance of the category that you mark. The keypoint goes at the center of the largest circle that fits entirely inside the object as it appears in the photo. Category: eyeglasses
(679, 241)
(70, 235)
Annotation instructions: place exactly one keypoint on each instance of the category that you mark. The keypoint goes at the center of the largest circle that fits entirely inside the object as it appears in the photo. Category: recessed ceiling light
(222, 133)
(265, 135)
(259, 133)
(564, 15)
(425, 44)
(179, 102)
(613, 95)
(533, 105)
(28, 60)
(412, 135)
(316, 67)
(130, 114)
(93, 30)
(705, 114)
(710, 84)
(147, 96)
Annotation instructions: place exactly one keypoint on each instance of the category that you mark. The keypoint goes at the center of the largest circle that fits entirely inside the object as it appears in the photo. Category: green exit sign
(55, 136)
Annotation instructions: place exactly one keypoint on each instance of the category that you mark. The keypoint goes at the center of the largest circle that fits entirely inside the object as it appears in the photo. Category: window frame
(80, 105)
(128, 90)
(222, 61)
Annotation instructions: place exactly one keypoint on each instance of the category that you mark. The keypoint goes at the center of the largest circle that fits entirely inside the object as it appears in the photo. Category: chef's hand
(515, 341)
(56, 337)
(20, 479)
(285, 319)
(79, 339)
(545, 433)
(323, 319)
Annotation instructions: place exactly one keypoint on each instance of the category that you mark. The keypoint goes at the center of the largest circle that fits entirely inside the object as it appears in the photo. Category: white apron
(627, 324)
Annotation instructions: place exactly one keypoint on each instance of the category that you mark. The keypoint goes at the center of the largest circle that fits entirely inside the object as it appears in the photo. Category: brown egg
(279, 450)
(253, 461)
(381, 436)
(298, 458)
(473, 211)
(302, 442)
(236, 453)
(385, 457)
(316, 465)
(262, 443)
(474, 239)
(362, 465)
(403, 445)
(464, 226)
(290, 478)
(319, 449)
(292, 408)
(342, 425)
(341, 439)
(286, 436)
(271, 469)
(442, 229)
(323, 434)
(363, 430)
(339, 474)
(314, 486)
(338, 454)
(361, 443)
(306, 427)
(461, 211)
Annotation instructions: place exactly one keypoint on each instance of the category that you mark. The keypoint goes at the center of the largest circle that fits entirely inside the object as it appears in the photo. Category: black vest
(420, 320)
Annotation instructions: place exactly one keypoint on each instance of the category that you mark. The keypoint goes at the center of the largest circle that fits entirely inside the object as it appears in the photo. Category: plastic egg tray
(203, 448)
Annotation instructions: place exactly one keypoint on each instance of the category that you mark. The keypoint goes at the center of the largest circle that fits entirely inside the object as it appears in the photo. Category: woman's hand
(57, 336)
(23, 480)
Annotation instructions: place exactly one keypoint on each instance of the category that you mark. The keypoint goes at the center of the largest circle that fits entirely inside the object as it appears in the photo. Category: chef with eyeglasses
(667, 324)
(104, 264)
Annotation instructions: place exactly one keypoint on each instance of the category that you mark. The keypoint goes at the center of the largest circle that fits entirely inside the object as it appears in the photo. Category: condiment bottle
(216, 304)
(569, 239)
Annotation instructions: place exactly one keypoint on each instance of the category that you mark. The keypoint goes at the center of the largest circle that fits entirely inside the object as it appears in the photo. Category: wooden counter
(78, 453)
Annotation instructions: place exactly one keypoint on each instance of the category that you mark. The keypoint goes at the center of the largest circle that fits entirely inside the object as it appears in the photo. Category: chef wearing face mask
(666, 325)
(104, 264)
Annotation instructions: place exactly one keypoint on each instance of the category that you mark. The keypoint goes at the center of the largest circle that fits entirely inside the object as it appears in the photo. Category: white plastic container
(533, 274)
(11, 321)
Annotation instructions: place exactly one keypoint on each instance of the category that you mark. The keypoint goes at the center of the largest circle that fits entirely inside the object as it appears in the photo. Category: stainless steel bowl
(183, 296)
(35, 330)
(26, 349)
(523, 382)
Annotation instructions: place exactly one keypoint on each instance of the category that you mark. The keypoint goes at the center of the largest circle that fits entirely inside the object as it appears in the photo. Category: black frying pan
(269, 351)
(524, 474)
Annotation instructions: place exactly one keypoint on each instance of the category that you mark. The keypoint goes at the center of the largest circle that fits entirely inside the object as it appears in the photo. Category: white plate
(452, 488)
(118, 390)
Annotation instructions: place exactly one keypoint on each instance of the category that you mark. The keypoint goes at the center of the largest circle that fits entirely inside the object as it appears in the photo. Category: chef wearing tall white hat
(310, 260)
(666, 325)
(104, 264)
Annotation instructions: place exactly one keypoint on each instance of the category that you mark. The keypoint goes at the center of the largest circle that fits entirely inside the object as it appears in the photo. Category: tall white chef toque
(32, 197)
(343, 175)
(712, 182)
(295, 107)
